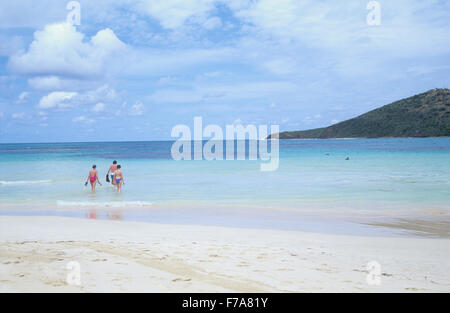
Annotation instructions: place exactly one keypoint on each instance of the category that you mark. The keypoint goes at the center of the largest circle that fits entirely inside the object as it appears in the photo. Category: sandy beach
(115, 256)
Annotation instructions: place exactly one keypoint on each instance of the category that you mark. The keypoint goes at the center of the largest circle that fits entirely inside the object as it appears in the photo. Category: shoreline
(425, 223)
(141, 256)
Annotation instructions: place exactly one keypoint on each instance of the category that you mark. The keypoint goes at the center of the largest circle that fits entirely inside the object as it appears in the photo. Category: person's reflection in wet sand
(115, 215)
(92, 214)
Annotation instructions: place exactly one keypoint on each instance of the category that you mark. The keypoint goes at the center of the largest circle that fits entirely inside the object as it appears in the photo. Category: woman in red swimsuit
(93, 178)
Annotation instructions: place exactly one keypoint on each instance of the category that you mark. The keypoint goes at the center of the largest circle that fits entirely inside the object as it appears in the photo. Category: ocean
(315, 188)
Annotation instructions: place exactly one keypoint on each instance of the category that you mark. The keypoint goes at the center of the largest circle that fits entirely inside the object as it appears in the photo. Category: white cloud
(172, 14)
(230, 92)
(213, 22)
(137, 109)
(60, 50)
(312, 119)
(102, 93)
(427, 69)
(280, 66)
(42, 115)
(83, 119)
(78, 119)
(57, 99)
(20, 115)
(147, 62)
(98, 107)
(23, 97)
(323, 24)
(57, 83)
(45, 83)
(65, 99)
(165, 80)
(342, 28)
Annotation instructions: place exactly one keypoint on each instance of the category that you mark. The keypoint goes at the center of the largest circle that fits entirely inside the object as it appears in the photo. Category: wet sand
(418, 227)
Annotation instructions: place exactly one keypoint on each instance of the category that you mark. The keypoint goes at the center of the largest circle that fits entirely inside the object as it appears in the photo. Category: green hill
(423, 115)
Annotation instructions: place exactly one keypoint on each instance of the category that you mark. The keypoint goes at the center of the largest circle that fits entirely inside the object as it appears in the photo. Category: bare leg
(93, 186)
(119, 187)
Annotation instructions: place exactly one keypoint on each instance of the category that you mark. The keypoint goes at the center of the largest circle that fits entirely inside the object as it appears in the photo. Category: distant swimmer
(93, 178)
(111, 171)
(118, 178)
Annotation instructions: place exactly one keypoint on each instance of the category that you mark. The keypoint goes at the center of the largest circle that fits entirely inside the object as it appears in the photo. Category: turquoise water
(381, 177)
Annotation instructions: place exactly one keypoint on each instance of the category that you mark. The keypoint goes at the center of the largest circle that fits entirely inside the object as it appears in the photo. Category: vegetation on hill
(423, 115)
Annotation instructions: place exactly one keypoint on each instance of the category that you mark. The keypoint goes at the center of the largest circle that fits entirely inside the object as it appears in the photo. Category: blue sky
(134, 69)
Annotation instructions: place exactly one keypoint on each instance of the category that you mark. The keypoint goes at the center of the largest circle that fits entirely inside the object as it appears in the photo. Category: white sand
(143, 257)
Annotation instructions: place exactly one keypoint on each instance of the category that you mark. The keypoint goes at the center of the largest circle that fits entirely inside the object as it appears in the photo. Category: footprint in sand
(361, 271)
(415, 289)
(326, 270)
(99, 260)
(117, 279)
(180, 279)
(55, 283)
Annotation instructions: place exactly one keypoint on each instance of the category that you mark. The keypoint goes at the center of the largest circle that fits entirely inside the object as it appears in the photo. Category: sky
(132, 70)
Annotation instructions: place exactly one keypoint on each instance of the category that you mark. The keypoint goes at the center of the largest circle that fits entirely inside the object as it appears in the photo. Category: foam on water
(111, 204)
(24, 182)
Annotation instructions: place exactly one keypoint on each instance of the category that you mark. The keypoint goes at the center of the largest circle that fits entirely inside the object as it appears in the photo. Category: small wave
(118, 204)
(24, 182)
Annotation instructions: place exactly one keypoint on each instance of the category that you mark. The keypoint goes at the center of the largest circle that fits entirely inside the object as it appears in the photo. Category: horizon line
(174, 140)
